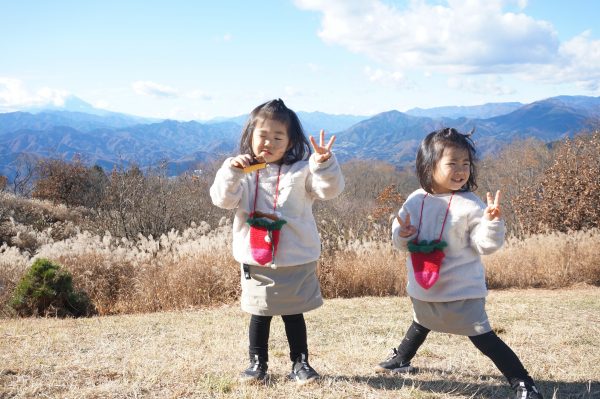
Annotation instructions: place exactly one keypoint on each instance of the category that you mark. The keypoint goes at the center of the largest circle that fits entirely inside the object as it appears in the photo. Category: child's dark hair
(276, 110)
(431, 151)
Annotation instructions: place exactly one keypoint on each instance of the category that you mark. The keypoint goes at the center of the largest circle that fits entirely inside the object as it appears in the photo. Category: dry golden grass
(546, 260)
(199, 353)
(195, 269)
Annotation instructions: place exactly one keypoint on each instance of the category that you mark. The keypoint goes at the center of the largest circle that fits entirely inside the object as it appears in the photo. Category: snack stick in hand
(256, 166)
(257, 163)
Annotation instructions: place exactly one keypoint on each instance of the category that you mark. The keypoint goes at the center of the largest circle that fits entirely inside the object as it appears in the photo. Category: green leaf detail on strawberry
(426, 247)
(265, 223)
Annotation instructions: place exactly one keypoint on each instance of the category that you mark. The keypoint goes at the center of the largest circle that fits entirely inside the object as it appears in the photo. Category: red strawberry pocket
(426, 260)
(264, 238)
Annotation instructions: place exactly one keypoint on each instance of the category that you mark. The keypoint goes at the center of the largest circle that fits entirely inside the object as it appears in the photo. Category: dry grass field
(199, 353)
(194, 268)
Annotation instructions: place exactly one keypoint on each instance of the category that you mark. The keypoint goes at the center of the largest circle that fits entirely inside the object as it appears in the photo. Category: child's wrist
(324, 159)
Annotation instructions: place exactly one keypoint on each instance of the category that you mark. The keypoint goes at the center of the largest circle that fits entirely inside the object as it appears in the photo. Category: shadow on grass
(493, 386)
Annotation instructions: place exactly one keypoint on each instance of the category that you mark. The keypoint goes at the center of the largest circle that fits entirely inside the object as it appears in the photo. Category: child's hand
(406, 229)
(492, 212)
(241, 161)
(322, 154)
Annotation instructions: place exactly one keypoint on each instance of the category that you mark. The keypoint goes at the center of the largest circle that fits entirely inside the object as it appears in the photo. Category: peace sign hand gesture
(406, 229)
(492, 212)
(322, 153)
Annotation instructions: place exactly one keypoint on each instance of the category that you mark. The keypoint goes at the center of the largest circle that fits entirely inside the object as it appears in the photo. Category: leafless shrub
(567, 197)
(517, 168)
(153, 203)
(69, 183)
(23, 172)
(351, 215)
(387, 203)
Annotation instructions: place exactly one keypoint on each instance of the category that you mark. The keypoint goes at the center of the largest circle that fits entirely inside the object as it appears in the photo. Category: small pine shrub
(47, 290)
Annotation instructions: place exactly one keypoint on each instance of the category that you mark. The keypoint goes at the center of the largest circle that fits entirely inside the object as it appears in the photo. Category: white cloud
(462, 36)
(199, 95)
(578, 61)
(457, 37)
(487, 85)
(146, 88)
(394, 78)
(14, 95)
(55, 97)
(157, 90)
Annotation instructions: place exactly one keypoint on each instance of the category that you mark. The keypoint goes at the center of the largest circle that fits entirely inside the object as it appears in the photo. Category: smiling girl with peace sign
(272, 185)
(446, 228)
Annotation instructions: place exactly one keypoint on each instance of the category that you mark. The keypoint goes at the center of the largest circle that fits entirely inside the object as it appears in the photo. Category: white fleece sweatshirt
(300, 184)
(468, 234)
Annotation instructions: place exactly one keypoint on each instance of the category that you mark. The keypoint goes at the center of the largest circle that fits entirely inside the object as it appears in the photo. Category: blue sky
(187, 60)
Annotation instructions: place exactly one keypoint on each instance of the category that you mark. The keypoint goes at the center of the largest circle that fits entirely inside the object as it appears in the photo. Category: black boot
(394, 364)
(302, 372)
(525, 390)
(257, 371)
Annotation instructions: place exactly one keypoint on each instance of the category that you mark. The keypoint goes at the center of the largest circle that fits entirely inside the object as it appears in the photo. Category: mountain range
(108, 138)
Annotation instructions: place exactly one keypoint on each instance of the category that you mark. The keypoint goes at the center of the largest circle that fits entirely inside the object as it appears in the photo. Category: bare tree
(568, 194)
(23, 176)
(515, 169)
(69, 183)
(153, 203)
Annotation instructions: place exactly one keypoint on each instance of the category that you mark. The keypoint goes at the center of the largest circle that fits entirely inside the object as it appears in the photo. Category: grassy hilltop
(199, 353)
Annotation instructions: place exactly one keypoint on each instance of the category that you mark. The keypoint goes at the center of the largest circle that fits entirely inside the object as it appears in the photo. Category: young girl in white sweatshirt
(446, 228)
(275, 237)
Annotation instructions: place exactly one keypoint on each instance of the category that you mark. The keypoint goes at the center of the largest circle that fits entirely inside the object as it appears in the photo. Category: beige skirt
(465, 317)
(282, 291)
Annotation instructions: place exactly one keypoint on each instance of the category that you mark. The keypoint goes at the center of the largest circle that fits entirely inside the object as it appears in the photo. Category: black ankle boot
(302, 372)
(394, 364)
(525, 390)
(256, 371)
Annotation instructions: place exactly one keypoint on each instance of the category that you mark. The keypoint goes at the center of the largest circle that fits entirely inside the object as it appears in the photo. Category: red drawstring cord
(276, 191)
(421, 217)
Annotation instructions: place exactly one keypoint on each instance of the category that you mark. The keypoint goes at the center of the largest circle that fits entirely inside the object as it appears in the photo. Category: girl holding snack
(272, 185)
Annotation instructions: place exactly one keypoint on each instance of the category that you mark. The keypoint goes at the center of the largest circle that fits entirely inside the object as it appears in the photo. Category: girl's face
(270, 140)
(451, 171)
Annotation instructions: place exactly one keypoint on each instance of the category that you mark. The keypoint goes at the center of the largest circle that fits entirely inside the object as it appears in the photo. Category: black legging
(295, 329)
(503, 357)
(489, 344)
